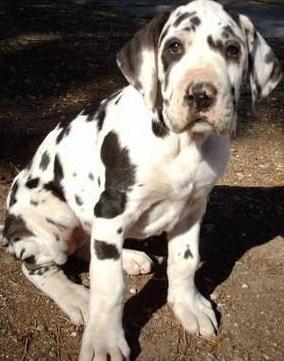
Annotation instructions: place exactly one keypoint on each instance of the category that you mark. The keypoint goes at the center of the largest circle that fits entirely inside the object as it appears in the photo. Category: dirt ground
(49, 72)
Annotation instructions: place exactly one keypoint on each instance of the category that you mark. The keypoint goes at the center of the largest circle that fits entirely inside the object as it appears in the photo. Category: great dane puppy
(139, 163)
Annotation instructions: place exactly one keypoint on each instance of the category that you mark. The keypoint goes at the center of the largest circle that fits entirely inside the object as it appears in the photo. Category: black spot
(188, 253)
(96, 112)
(111, 203)
(99, 181)
(63, 133)
(33, 203)
(159, 127)
(91, 110)
(74, 174)
(183, 17)
(32, 183)
(22, 253)
(45, 160)
(55, 190)
(119, 177)
(13, 193)
(58, 170)
(106, 251)
(55, 186)
(269, 57)
(196, 21)
(91, 176)
(119, 231)
(15, 229)
(78, 200)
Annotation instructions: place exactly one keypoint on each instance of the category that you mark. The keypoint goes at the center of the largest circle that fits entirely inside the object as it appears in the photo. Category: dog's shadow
(237, 219)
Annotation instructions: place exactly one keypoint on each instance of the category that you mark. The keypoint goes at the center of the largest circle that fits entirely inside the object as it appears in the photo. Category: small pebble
(73, 334)
(40, 328)
(133, 291)
(245, 285)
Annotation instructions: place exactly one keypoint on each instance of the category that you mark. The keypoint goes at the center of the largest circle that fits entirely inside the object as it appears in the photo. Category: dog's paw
(76, 304)
(136, 262)
(196, 314)
(103, 346)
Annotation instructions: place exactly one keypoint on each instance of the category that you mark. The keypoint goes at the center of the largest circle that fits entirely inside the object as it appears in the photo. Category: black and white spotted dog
(140, 163)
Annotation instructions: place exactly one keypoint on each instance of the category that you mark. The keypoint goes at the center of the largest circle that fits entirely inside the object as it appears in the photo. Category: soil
(55, 59)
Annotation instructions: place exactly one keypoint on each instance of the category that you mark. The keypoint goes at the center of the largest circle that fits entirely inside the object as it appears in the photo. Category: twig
(26, 348)
(58, 343)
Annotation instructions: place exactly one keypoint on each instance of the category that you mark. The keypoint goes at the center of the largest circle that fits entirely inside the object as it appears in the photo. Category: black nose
(202, 96)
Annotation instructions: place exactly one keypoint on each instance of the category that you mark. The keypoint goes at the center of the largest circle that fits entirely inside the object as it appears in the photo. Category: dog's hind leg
(47, 276)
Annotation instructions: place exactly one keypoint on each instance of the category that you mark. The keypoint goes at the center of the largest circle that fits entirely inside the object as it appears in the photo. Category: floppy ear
(263, 67)
(137, 60)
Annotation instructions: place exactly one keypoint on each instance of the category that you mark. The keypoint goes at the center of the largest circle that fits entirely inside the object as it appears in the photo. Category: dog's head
(190, 65)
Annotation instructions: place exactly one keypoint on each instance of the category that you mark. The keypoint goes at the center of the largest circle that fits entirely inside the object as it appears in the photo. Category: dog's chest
(186, 180)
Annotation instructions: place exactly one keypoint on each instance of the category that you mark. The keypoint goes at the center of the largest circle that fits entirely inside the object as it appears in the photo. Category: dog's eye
(175, 47)
(233, 50)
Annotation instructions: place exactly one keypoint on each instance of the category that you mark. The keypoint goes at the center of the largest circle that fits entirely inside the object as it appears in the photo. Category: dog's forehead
(209, 16)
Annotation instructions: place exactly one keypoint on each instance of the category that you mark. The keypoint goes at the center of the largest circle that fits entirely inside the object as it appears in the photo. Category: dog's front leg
(104, 335)
(193, 311)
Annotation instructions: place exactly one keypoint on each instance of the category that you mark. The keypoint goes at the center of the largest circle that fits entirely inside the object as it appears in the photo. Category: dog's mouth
(200, 124)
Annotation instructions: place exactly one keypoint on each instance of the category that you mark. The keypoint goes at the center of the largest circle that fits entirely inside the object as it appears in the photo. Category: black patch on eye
(168, 59)
(105, 251)
(159, 127)
(183, 17)
(78, 200)
(63, 132)
(33, 203)
(13, 193)
(91, 176)
(32, 183)
(221, 48)
(119, 177)
(119, 231)
(188, 253)
(15, 228)
(45, 160)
